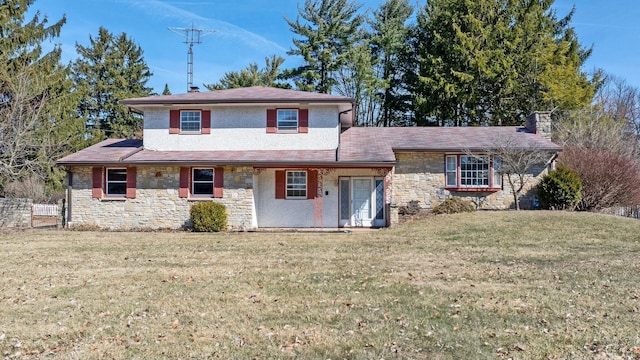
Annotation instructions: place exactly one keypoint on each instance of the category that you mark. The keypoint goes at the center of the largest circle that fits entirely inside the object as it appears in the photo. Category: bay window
(472, 172)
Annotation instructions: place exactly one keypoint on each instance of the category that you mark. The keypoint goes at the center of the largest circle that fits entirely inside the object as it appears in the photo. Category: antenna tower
(192, 37)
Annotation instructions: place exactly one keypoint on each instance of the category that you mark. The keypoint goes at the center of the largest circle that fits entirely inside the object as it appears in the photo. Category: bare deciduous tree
(595, 130)
(20, 125)
(518, 164)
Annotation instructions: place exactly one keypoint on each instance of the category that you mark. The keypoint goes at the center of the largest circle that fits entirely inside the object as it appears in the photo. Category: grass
(487, 285)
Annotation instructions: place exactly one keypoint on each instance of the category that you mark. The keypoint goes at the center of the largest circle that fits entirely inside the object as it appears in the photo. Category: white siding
(281, 213)
(242, 128)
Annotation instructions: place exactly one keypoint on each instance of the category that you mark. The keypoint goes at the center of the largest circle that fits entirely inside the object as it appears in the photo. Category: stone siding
(157, 204)
(420, 176)
(15, 213)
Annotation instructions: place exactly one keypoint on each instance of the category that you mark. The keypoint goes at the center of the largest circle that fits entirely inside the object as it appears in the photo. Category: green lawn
(487, 285)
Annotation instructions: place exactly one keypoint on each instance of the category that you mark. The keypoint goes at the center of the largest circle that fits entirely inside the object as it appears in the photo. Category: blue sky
(250, 30)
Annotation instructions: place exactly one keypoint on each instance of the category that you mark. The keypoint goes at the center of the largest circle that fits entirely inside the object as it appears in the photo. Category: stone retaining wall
(15, 213)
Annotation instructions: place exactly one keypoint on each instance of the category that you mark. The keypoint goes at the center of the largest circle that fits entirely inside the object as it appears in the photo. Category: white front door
(362, 201)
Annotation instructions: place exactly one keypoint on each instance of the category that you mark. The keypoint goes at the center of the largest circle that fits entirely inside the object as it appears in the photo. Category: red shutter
(174, 122)
(303, 120)
(96, 191)
(184, 182)
(131, 182)
(272, 121)
(206, 122)
(312, 184)
(281, 184)
(218, 182)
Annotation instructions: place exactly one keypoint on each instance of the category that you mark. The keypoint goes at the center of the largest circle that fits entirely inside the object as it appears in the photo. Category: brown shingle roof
(379, 144)
(358, 147)
(130, 152)
(250, 157)
(110, 151)
(254, 94)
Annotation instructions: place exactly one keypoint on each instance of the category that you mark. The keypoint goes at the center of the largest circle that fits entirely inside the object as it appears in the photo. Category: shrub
(412, 208)
(560, 189)
(209, 216)
(608, 179)
(454, 205)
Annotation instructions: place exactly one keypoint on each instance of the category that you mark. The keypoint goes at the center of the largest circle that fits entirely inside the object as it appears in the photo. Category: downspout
(340, 132)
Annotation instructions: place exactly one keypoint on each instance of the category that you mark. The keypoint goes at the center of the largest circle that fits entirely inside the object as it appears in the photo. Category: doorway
(362, 202)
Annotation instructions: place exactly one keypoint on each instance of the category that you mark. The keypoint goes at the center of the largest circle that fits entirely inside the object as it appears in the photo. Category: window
(116, 182)
(296, 184)
(497, 175)
(474, 171)
(287, 119)
(190, 121)
(113, 182)
(202, 183)
(467, 172)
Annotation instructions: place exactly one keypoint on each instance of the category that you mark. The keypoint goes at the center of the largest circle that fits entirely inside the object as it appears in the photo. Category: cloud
(222, 28)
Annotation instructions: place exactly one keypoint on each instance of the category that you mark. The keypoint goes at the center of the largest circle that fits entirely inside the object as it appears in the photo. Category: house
(281, 158)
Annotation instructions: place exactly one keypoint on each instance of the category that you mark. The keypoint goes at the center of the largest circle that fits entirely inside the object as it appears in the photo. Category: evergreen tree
(166, 90)
(327, 29)
(38, 123)
(491, 62)
(388, 41)
(110, 69)
(253, 76)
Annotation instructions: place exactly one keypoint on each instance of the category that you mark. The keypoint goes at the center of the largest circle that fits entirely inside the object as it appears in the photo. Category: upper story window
(472, 172)
(287, 119)
(190, 121)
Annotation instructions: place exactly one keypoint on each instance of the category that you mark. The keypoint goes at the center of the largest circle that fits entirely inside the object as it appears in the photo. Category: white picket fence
(44, 215)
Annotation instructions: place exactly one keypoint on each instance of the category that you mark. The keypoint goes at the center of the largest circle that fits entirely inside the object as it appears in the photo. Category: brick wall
(157, 204)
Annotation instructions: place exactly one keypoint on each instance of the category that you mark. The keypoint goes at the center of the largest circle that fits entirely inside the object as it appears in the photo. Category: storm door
(362, 201)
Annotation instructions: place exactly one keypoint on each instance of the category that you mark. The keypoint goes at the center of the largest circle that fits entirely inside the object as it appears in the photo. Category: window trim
(493, 176)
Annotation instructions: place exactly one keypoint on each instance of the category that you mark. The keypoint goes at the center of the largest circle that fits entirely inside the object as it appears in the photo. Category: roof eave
(343, 164)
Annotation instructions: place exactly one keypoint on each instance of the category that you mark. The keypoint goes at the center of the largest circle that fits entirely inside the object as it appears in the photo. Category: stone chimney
(194, 89)
(539, 122)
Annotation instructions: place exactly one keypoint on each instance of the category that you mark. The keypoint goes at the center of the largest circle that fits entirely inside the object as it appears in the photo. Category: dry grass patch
(525, 285)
